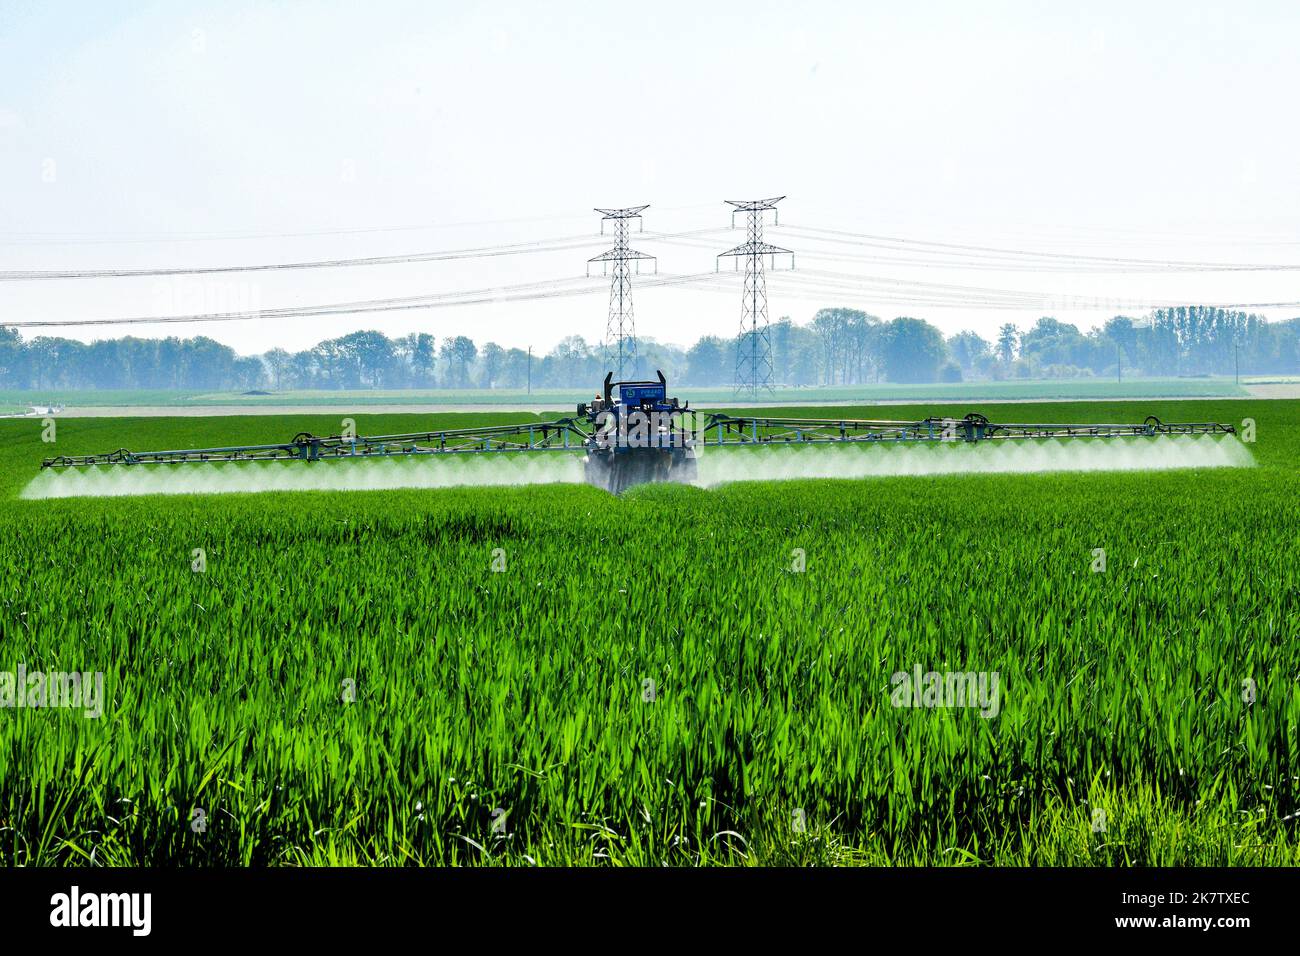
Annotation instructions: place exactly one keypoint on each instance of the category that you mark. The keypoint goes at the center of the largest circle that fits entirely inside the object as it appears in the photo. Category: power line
(523, 292)
(895, 243)
(522, 248)
(558, 244)
(939, 260)
(753, 360)
(815, 283)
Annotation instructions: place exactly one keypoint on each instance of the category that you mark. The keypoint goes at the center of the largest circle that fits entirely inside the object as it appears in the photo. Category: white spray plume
(772, 462)
(716, 466)
(370, 474)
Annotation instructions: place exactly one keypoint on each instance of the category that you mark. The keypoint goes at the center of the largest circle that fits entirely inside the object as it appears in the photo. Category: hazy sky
(139, 135)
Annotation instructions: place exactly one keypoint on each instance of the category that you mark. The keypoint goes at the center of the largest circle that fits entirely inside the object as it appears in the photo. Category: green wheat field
(649, 680)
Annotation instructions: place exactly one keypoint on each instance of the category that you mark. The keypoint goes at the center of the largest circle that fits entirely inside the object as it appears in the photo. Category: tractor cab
(644, 396)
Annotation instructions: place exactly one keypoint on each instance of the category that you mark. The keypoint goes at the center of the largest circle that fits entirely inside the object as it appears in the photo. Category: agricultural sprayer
(633, 432)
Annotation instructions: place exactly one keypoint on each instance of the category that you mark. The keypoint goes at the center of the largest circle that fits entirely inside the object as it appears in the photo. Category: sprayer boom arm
(560, 435)
(733, 430)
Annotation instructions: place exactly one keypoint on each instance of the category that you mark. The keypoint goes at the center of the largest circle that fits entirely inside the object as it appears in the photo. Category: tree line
(836, 347)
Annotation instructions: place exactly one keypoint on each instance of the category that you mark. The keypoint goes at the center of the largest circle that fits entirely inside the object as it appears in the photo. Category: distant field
(966, 391)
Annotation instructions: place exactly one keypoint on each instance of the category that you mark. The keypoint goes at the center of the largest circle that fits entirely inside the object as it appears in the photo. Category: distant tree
(571, 364)
(1055, 343)
(44, 356)
(849, 340)
(1121, 332)
(365, 358)
(1204, 339)
(668, 358)
(1008, 335)
(862, 347)
(838, 346)
(988, 366)
(248, 372)
(911, 350)
(12, 358)
(805, 356)
(706, 361)
(828, 326)
(326, 361)
(968, 348)
(457, 353)
(491, 357)
(1288, 345)
(279, 367)
(306, 370)
(796, 355)
(207, 364)
(1026, 367)
(169, 355)
(514, 369)
(422, 356)
(780, 335)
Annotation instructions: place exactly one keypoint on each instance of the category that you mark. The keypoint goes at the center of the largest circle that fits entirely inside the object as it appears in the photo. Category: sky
(182, 134)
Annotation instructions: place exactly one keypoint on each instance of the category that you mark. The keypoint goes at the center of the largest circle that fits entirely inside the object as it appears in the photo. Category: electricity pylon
(619, 346)
(754, 345)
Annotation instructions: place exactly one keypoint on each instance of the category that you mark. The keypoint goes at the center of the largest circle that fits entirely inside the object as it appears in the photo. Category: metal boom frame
(733, 430)
(569, 434)
(559, 435)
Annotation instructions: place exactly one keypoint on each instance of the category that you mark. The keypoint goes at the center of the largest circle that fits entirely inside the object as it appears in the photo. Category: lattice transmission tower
(619, 345)
(754, 345)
